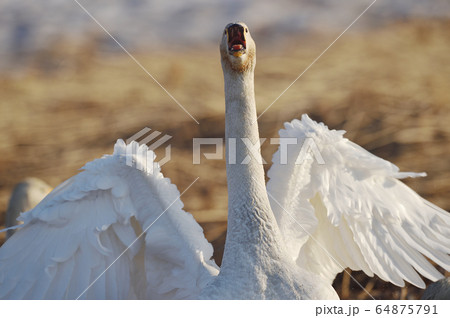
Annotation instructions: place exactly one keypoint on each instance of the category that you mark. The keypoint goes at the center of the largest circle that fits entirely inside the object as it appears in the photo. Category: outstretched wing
(111, 232)
(339, 206)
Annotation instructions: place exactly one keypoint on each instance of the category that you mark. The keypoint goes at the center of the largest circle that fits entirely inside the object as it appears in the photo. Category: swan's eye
(246, 30)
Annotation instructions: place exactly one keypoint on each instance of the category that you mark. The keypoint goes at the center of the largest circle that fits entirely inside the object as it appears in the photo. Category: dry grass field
(389, 88)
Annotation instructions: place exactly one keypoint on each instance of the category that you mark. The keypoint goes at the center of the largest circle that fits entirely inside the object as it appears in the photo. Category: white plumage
(117, 232)
(354, 212)
(70, 238)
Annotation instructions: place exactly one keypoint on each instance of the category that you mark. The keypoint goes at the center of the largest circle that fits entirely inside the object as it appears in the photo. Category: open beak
(236, 40)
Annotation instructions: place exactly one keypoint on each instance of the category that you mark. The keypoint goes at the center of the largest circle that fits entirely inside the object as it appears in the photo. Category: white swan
(25, 196)
(82, 240)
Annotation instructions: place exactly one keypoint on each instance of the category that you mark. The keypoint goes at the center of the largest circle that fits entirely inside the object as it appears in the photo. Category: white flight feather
(358, 213)
(72, 236)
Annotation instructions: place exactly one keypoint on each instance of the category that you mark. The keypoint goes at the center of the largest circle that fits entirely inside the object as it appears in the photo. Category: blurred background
(68, 91)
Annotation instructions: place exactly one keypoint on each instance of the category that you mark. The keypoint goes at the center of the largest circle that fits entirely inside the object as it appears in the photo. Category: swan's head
(237, 48)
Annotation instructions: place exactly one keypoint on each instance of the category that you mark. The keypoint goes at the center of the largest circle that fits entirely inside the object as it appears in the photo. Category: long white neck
(252, 230)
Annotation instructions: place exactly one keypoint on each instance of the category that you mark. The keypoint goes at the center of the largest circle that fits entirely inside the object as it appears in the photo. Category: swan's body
(24, 197)
(353, 206)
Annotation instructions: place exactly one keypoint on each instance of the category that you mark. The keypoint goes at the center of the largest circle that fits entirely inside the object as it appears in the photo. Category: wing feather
(62, 279)
(358, 214)
(84, 239)
(77, 280)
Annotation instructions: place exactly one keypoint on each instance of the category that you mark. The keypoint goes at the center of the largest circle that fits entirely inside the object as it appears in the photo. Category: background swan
(439, 290)
(91, 218)
(26, 194)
